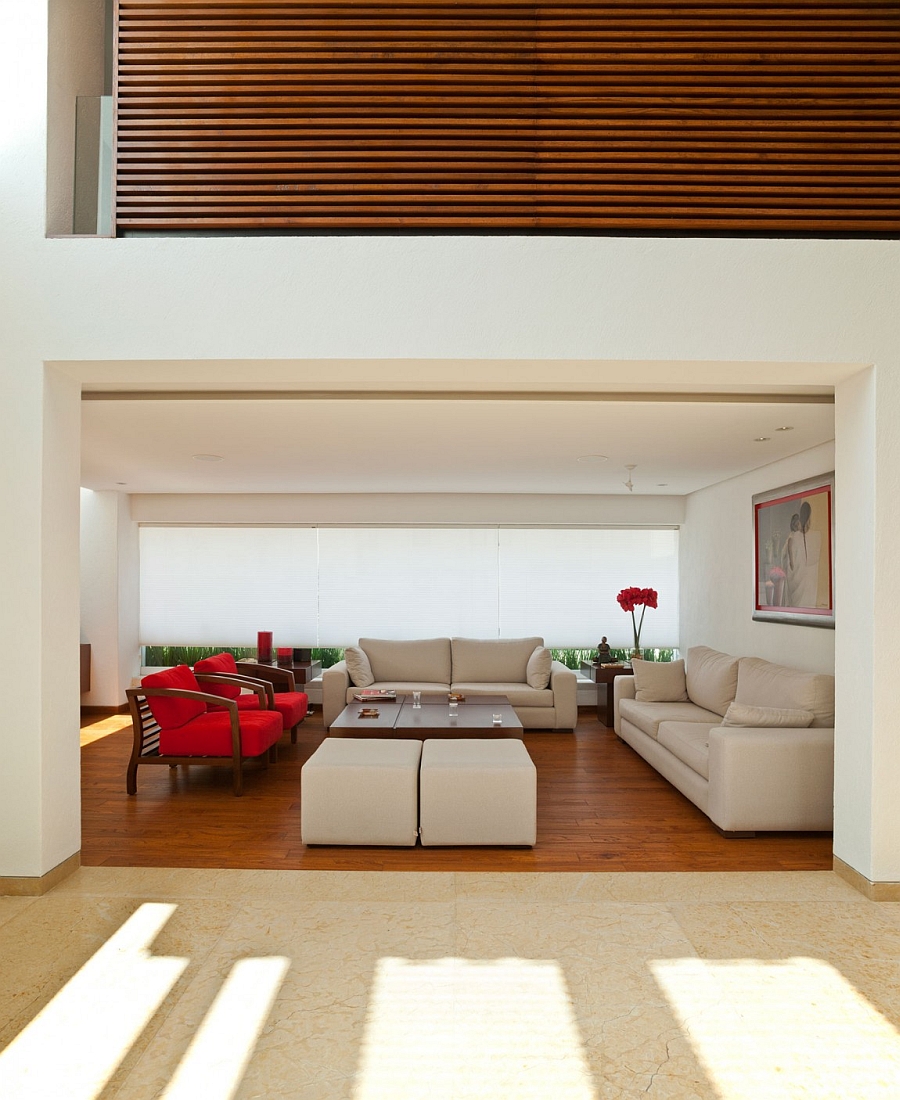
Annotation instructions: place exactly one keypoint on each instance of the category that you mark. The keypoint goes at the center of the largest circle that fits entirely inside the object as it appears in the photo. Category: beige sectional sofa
(746, 778)
(471, 666)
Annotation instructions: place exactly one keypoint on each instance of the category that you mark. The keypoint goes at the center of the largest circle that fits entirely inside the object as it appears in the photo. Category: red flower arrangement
(629, 599)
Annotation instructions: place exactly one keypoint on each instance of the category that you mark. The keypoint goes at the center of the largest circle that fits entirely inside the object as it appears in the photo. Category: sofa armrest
(623, 688)
(771, 779)
(335, 681)
(564, 685)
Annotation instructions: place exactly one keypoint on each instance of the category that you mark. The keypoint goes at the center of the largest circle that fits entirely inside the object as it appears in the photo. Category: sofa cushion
(519, 695)
(492, 659)
(426, 659)
(689, 741)
(210, 734)
(742, 714)
(763, 684)
(358, 666)
(225, 665)
(647, 716)
(402, 687)
(711, 678)
(171, 713)
(537, 671)
(659, 681)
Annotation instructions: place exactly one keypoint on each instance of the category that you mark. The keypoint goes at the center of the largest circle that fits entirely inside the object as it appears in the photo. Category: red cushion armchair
(173, 724)
(221, 675)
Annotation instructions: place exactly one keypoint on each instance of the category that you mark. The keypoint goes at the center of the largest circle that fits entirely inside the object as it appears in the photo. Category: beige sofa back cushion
(425, 659)
(492, 660)
(712, 678)
(762, 684)
(659, 681)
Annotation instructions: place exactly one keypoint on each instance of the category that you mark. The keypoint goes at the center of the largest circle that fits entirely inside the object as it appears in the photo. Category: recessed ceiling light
(762, 439)
(121, 483)
(593, 458)
(208, 458)
(661, 484)
(786, 428)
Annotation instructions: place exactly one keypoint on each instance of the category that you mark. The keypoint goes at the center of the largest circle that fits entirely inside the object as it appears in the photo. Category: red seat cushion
(210, 734)
(224, 664)
(291, 705)
(171, 713)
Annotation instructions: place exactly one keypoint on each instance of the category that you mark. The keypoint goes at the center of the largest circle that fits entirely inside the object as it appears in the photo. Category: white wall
(75, 67)
(716, 570)
(109, 595)
(411, 508)
(734, 311)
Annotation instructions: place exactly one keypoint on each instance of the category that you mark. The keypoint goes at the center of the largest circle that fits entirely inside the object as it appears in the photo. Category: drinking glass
(417, 700)
(454, 709)
(497, 719)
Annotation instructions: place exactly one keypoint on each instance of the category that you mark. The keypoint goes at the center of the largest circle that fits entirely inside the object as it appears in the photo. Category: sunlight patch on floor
(74, 1045)
(103, 727)
(214, 1064)
(782, 1029)
(449, 1028)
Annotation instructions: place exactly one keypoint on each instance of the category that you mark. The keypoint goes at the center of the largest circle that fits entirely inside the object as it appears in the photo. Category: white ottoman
(477, 791)
(361, 791)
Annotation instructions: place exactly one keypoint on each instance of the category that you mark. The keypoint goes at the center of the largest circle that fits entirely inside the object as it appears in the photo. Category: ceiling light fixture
(785, 428)
(629, 484)
(207, 458)
(593, 458)
(763, 439)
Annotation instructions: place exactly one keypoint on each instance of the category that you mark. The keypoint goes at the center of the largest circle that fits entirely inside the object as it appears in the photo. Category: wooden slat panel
(744, 117)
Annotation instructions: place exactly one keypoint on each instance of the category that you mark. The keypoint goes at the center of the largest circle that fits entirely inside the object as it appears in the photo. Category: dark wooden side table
(603, 676)
(301, 672)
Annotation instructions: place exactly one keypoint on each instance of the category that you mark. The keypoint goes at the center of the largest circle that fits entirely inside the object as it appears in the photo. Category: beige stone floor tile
(11, 907)
(497, 930)
(155, 883)
(779, 930)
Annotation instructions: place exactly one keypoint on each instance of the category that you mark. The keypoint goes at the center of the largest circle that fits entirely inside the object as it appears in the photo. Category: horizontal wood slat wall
(728, 117)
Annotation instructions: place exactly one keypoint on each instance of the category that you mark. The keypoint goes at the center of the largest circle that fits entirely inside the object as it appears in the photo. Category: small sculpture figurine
(604, 653)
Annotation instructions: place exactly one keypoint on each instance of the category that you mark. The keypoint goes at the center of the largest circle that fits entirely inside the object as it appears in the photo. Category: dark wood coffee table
(401, 719)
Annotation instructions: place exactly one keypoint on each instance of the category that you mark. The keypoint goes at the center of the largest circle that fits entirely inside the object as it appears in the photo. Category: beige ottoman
(361, 791)
(477, 791)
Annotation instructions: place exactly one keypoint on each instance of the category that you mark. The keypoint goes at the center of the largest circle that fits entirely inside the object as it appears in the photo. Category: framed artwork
(793, 553)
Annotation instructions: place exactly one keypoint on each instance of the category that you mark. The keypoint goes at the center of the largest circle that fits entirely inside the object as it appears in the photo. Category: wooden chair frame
(281, 679)
(145, 749)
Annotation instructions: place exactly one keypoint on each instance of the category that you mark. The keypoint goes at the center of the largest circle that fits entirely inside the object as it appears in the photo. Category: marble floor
(322, 985)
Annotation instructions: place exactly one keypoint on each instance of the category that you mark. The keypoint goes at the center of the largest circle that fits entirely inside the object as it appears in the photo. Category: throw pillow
(537, 671)
(358, 666)
(659, 682)
(743, 714)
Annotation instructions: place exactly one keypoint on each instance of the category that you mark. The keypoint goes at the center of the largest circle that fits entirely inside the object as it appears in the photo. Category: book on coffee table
(377, 695)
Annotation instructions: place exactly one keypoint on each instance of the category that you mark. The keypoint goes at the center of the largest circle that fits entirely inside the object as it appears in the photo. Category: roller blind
(221, 585)
(686, 116)
(328, 587)
(563, 585)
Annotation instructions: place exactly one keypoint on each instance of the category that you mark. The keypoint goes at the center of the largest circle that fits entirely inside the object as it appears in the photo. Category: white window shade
(562, 584)
(406, 583)
(221, 585)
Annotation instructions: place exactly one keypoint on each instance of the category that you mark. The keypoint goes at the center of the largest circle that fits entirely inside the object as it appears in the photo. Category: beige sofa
(744, 778)
(471, 666)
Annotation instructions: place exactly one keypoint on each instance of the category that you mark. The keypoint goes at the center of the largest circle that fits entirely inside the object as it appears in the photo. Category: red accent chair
(221, 674)
(173, 724)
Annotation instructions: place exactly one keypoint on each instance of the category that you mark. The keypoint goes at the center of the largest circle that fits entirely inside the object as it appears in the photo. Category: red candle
(285, 655)
(264, 646)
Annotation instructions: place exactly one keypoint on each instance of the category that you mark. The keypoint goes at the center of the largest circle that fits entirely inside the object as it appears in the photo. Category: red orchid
(629, 599)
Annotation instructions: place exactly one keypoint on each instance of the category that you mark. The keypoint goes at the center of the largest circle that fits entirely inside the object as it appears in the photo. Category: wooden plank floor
(600, 808)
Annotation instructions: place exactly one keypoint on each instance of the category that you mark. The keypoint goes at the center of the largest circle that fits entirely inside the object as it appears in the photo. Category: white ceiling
(416, 446)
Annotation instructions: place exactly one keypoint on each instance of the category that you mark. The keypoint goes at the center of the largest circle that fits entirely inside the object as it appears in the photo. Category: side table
(603, 676)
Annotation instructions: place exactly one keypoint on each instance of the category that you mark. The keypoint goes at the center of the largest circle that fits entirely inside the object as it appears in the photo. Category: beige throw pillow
(659, 682)
(358, 666)
(743, 714)
(537, 671)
